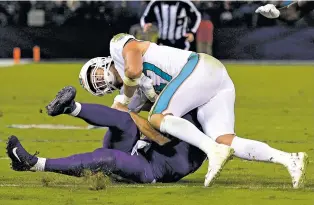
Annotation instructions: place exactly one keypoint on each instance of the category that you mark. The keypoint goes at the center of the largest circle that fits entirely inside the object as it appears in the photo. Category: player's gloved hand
(122, 99)
(140, 144)
(118, 98)
(146, 86)
(269, 11)
(118, 103)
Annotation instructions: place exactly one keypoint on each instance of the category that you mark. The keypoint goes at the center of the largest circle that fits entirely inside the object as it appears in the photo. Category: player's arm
(138, 103)
(133, 69)
(147, 130)
(142, 98)
(145, 127)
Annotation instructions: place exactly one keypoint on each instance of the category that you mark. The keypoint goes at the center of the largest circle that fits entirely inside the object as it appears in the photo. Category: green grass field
(274, 104)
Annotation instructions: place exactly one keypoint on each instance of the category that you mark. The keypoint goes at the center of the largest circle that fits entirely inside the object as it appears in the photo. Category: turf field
(274, 104)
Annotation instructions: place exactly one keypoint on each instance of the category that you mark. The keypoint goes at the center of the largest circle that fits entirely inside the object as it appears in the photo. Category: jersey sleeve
(116, 47)
(117, 43)
(121, 38)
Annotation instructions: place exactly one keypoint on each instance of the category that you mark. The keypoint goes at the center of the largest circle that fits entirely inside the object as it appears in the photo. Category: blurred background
(229, 30)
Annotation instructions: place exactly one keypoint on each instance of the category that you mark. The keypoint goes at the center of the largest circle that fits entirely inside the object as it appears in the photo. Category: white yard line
(53, 127)
(9, 62)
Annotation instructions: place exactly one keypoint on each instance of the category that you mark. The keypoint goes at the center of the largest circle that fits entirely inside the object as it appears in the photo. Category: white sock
(258, 151)
(40, 165)
(186, 131)
(77, 110)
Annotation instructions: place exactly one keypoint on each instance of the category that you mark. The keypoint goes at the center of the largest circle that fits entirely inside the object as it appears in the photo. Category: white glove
(269, 11)
(122, 99)
(146, 85)
(118, 98)
(140, 144)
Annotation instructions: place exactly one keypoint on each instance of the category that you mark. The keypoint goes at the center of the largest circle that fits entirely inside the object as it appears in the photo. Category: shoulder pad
(121, 39)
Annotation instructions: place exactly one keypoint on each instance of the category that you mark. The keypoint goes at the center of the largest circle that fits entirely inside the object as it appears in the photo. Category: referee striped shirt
(174, 18)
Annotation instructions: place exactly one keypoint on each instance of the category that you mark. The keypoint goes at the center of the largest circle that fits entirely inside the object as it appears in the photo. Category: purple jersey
(122, 139)
(170, 162)
(177, 159)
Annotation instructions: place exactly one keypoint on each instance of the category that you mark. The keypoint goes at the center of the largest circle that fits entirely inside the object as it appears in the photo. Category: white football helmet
(95, 83)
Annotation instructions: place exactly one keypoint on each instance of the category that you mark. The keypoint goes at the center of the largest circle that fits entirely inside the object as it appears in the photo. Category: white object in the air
(269, 11)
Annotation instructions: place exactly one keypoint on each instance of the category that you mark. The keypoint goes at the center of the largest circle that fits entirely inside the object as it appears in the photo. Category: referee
(177, 22)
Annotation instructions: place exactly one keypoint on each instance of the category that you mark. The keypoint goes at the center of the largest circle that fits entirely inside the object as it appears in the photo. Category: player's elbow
(133, 73)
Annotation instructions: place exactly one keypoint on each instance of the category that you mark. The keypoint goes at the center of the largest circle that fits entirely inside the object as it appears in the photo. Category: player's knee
(155, 120)
(225, 139)
(107, 158)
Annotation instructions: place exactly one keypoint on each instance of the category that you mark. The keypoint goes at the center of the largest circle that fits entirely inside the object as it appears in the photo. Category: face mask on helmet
(100, 79)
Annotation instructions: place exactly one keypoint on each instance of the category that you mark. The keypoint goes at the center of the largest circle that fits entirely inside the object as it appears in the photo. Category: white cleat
(297, 169)
(217, 161)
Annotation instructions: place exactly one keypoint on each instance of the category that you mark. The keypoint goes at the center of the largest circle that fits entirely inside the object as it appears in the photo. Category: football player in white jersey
(189, 80)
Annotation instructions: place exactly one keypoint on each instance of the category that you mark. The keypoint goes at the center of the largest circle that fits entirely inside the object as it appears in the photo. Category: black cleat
(21, 159)
(63, 103)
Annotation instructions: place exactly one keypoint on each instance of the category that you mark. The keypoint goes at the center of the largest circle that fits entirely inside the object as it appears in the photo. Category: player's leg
(178, 98)
(104, 116)
(258, 151)
(119, 123)
(108, 161)
(217, 120)
(94, 114)
(122, 133)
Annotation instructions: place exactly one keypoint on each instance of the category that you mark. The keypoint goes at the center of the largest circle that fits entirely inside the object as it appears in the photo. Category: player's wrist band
(132, 82)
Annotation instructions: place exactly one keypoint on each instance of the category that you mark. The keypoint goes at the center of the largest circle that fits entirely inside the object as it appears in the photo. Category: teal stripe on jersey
(156, 70)
(159, 88)
(172, 87)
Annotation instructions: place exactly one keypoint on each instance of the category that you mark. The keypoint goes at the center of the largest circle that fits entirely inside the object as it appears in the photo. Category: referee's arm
(148, 16)
(195, 20)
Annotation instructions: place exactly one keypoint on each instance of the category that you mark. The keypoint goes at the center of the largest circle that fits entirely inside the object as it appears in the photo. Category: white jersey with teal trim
(116, 47)
(160, 63)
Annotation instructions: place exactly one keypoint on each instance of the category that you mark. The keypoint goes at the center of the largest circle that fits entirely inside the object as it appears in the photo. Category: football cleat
(217, 161)
(21, 160)
(297, 169)
(63, 103)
